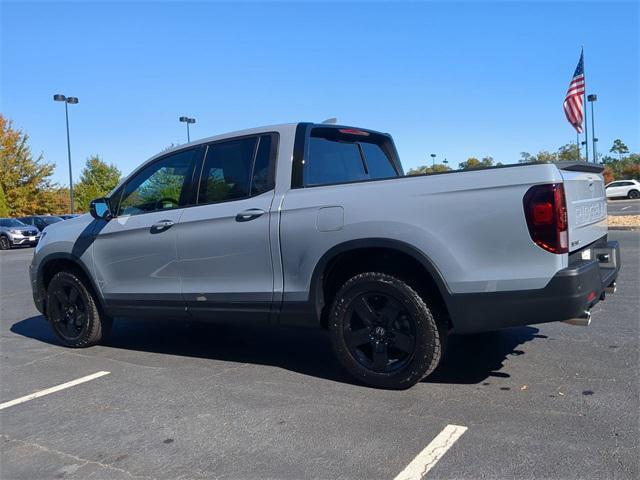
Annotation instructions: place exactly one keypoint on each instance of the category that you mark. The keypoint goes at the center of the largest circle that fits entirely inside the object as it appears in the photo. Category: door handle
(162, 226)
(250, 214)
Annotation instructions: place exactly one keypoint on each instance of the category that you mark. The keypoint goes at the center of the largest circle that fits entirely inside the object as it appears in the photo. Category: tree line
(26, 187)
(625, 165)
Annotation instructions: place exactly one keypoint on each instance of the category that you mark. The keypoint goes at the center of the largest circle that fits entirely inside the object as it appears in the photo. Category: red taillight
(545, 209)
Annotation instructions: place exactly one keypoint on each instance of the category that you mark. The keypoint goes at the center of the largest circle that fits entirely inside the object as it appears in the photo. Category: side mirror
(100, 210)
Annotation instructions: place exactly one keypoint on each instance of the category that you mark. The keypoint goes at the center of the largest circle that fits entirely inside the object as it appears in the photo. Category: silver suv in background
(14, 233)
(40, 221)
(317, 225)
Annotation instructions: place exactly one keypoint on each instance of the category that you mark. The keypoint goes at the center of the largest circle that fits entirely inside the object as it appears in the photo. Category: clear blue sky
(457, 79)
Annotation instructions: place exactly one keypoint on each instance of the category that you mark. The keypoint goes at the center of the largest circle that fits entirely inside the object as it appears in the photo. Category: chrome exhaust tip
(611, 288)
(582, 321)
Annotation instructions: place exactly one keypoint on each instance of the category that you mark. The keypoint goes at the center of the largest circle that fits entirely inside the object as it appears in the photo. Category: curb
(632, 229)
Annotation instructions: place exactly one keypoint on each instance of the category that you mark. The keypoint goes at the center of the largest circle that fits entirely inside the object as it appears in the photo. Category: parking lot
(623, 207)
(203, 401)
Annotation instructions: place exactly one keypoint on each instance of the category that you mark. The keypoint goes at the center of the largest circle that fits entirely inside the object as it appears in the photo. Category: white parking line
(57, 388)
(628, 206)
(433, 452)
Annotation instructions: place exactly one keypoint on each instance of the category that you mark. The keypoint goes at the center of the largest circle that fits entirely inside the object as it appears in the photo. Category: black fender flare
(316, 290)
(77, 262)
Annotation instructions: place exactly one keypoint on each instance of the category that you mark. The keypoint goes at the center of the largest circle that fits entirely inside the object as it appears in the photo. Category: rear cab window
(341, 155)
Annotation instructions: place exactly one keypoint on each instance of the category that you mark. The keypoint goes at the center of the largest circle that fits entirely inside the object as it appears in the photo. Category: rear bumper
(570, 293)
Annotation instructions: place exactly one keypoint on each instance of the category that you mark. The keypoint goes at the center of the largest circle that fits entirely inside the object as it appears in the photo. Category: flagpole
(578, 144)
(584, 97)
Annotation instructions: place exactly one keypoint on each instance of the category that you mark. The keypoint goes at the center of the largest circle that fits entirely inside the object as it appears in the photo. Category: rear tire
(5, 244)
(73, 312)
(633, 194)
(383, 332)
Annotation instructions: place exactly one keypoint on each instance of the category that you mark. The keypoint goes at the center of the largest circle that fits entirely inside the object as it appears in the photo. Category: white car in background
(623, 188)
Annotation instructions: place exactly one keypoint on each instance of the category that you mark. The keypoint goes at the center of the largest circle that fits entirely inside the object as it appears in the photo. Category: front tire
(383, 332)
(5, 244)
(633, 194)
(73, 312)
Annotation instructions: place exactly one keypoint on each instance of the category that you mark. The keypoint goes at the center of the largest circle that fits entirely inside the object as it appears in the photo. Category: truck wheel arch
(328, 277)
(55, 262)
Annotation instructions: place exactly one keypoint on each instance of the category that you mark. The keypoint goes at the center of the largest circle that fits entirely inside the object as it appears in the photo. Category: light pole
(592, 99)
(433, 160)
(188, 121)
(67, 100)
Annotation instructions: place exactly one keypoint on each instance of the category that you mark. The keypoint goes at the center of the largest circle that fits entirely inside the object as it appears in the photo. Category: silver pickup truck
(317, 225)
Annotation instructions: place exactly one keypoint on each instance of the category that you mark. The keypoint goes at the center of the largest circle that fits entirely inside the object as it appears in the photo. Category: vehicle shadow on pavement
(469, 359)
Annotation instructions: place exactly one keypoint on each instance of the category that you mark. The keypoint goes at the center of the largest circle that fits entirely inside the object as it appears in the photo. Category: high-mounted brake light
(545, 209)
(353, 131)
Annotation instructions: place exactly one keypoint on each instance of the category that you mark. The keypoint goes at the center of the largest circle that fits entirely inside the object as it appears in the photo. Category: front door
(134, 254)
(223, 242)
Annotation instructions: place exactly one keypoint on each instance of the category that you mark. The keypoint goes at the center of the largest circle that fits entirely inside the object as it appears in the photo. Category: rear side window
(237, 169)
(227, 171)
(263, 176)
(339, 156)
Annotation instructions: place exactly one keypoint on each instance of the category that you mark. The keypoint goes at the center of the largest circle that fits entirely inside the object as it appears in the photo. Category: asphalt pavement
(187, 400)
(623, 207)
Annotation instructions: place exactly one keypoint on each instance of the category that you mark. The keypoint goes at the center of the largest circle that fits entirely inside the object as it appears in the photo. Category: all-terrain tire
(94, 326)
(417, 321)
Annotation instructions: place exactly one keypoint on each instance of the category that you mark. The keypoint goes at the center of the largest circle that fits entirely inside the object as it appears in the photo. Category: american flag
(573, 101)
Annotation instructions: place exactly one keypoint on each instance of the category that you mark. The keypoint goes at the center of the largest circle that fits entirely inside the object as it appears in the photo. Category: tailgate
(586, 203)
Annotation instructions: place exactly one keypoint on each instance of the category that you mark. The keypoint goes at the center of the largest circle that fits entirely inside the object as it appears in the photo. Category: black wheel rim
(68, 310)
(634, 195)
(379, 332)
(4, 243)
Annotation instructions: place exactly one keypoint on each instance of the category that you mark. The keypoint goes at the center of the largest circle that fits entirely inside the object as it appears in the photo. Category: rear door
(586, 204)
(224, 248)
(135, 258)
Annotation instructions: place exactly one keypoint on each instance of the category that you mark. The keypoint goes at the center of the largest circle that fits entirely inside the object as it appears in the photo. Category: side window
(333, 162)
(377, 161)
(159, 186)
(262, 179)
(226, 172)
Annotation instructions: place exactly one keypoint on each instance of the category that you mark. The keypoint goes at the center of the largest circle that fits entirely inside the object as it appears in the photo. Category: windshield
(50, 220)
(11, 222)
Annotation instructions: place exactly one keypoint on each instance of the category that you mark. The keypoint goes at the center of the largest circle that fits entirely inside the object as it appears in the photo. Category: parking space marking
(433, 452)
(57, 388)
(628, 206)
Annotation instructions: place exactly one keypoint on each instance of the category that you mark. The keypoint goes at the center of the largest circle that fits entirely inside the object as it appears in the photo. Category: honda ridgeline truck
(317, 225)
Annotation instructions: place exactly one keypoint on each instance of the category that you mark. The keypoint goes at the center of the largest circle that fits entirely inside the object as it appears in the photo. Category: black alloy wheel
(4, 243)
(383, 331)
(68, 310)
(73, 311)
(380, 333)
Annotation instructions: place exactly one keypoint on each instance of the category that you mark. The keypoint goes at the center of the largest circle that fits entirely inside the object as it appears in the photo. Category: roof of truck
(236, 133)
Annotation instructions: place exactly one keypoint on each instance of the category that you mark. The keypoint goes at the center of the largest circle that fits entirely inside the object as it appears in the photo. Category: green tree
(96, 180)
(437, 168)
(619, 147)
(473, 163)
(4, 209)
(23, 178)
(568, 153)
